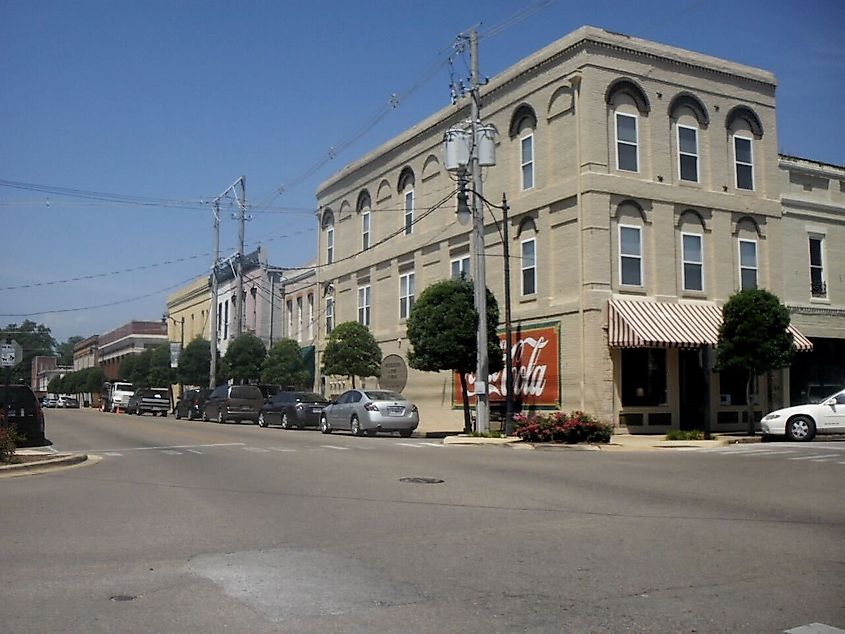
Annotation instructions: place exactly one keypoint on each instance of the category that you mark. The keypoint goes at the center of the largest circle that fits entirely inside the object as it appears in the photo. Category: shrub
(560, 427)
(693, 434)
(9, 439)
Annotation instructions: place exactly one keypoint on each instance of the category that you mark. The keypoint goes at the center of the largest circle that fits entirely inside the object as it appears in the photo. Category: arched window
(406, 188)
(364, 209)
(743, 126)
(691, 226)
(523, 125)
(627, 102)
(688, 114)
(328, 227)
(630, 223)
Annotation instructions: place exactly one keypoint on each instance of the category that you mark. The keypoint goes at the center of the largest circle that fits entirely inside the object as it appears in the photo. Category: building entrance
(693, 390)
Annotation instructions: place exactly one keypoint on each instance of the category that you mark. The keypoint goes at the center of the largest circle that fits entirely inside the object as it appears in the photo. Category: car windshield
(124, 387)
(384, 395)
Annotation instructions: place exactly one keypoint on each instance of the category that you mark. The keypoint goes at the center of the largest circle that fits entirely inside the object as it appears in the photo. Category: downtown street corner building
(645, 188)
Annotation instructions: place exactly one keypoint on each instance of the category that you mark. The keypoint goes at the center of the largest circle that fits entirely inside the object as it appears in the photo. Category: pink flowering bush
(561, 427)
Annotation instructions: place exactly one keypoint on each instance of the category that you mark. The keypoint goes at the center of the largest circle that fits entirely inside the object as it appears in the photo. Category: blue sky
(173, 101)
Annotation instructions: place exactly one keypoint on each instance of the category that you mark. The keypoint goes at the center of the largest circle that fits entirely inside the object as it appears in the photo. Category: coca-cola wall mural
(536, 370)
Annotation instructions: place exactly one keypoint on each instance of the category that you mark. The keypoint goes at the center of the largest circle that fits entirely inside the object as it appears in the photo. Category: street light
(464, 215)
(164, 319)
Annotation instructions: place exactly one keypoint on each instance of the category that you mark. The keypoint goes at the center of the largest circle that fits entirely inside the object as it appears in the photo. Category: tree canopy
(352, 351)
(151, 368)
(443, 330)
(754, 337)
(195, 363)
(35, 339)
(244, 357)
(285, 366)
(65, 350)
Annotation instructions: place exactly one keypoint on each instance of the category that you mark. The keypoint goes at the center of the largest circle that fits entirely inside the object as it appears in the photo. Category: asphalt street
(183, 526)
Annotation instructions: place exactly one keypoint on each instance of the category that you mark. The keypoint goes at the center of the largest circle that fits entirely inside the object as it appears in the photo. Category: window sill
(694, 294)
(528, 299)
(820, 300)
(632, 290)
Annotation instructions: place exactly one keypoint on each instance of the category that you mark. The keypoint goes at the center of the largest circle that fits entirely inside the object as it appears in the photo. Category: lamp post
(463, 210)
(164, 319)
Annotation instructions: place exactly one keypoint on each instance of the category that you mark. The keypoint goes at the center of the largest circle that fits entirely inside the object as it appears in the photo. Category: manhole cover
(123, 597)
(422, 480)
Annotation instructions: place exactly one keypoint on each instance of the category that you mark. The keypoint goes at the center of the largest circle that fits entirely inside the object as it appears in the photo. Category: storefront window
(732, 387)
(643, 377)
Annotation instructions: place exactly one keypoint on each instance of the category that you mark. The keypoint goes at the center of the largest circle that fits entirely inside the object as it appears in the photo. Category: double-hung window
(406, 295)
(817, 284)
(299, 313)
(744, 161)
(310, 316)
(747, 264)
(529, 267)
(365, 229)
(409, 212)
(693, 262)
(688, 153)
(627, 151)
(460, 268)
(527, 161)
(364, 305)
(329, 315)
(329, 245)
(630, 256)
(289, 332)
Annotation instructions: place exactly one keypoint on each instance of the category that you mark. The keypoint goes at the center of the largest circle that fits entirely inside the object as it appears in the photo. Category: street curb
(40, 466)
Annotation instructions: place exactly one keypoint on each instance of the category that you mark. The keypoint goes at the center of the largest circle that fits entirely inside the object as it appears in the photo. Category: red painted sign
(536, 370)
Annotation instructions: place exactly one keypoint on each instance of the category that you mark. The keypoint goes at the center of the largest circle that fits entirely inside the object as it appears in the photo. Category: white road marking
(433, 444)
(826, 455)
(334, 447)
(222, 444)
(815, 628)
(280, 449)
(171, 452)
(408, 444)
(112, 453)
(194, 451)
(256, 449)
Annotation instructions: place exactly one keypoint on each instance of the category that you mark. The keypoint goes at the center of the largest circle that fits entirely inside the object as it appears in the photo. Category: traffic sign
(11, 353)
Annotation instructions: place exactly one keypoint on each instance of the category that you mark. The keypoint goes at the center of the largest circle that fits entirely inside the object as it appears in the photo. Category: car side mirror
(831, 402)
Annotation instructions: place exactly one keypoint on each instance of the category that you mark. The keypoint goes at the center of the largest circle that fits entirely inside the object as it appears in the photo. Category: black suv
(23, 411)
(191, 404)
(233, 402)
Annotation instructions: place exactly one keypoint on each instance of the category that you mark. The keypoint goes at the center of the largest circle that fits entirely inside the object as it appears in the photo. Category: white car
(803, 422)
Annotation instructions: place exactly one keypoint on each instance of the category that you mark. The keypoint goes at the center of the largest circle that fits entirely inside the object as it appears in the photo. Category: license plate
(395, 410)
(316, 410)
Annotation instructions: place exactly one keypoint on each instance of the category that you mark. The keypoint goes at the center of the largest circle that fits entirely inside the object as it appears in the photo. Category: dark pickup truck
(155, 400)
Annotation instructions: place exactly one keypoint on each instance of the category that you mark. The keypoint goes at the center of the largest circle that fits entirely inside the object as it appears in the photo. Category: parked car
(67, 401)
(292, 409)
(49, 401)
(24, 412)
(233, 402)
(370, 411)
(191, 403)
(803, 422)
(153, 400)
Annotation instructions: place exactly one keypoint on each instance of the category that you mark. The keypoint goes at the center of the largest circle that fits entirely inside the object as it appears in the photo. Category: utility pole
(212, 378)
(482, 373)
(240, 303)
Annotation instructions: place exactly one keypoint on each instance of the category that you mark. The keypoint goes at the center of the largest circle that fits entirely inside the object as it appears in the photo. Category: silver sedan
(370, 411)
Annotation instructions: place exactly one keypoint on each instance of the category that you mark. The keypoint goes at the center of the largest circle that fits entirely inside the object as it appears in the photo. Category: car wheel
(221, 416)
(324, 425)
(355, 427)
(285, 422)
(800, 428)
(406, 433)
(164, 414)
(261, 420)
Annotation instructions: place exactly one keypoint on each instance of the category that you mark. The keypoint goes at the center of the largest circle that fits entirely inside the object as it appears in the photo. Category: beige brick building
(645, 188)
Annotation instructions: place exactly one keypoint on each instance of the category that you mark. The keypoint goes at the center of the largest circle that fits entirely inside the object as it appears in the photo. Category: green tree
(352, 351)
(132, 368)
(195, 363)
(55, 385)
(754, 339)
(93, 380)
(284, 365)
(443, 328)
(65, 350)
(244, 357)
(35, 339)
(159, 372)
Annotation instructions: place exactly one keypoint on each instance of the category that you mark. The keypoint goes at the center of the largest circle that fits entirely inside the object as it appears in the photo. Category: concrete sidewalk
(620, 441)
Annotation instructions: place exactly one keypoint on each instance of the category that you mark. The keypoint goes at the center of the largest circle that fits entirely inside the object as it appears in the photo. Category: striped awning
(652, 324)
